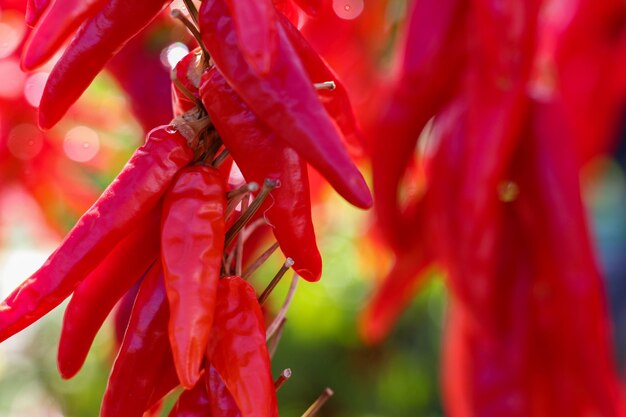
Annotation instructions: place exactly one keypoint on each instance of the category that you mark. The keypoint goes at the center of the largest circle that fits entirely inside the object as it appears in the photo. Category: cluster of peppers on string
(510, 98)
(165, 241)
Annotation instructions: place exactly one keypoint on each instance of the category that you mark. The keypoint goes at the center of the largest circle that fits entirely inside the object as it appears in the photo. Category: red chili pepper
(255, 25)
(311, 7)
(121, 316)
(434, 50)
(192, 235)
(96, 296)
(574, 289)
(238, 351)
(289, 9)
(260, 154)
(193, 403)
(221, 401)
(285, 100)
(131, 196)
(336, 101)
(97, 41)
(61, 19)
(34, 10)
(188, 73)
(138, 366)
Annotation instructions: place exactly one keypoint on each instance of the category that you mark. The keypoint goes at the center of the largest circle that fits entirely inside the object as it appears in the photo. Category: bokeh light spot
(13, 79)
(173, 54)
(33, 88)
(81, 144)
(25, 141)
(348, 9)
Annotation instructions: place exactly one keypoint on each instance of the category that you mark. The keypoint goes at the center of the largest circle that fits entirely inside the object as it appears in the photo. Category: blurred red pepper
(434, 50)
(134, 193)
(192, 235)
(238, 351)
(55, 26)
(96, 42)
(260, 154)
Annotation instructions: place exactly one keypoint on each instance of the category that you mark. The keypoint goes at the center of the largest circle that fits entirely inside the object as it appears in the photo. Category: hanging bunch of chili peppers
(168, 234)
(497, 203)
(491, 87)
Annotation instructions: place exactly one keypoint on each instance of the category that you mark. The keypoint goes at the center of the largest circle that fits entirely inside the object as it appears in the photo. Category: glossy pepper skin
(97, 41)
(287, 103)
(238, 351)
(336, 101)
(57, 24)
(130, 197)
(255, 25)
(260, 154)
(221, 402)
(95, 297)
(138, 366)
(187, 72)
(193, 402)
(34, 10)
(192, 235)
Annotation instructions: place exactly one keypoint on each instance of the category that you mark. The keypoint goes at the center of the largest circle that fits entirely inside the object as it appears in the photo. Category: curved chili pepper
(192, 232)
(130, 197)
(34, 10)
(575, 285)
(238, 351)
(260, 154)
(97, 41)
(430, 72)
(335, 101)
(193, 403)
(137, 368)
(96, 296)
(188, 74)
(221, 401)
(285, 100)
(255, 24)
(122, 313)
(59, 21)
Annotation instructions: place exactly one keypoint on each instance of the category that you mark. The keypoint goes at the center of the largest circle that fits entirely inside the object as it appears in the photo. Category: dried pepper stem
(319, 403)
(279, 275)
(268, 186)
(259, 261)
(273, 343)
(282, 313)
(326, 85)
(282, 378)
